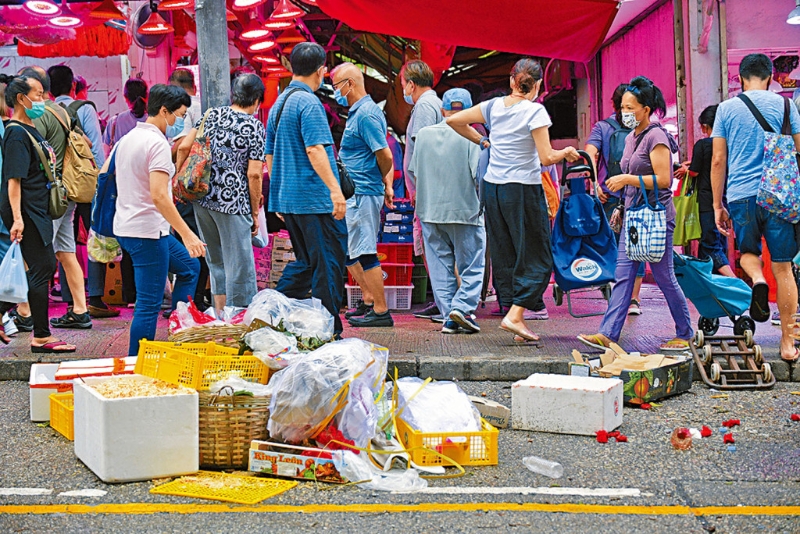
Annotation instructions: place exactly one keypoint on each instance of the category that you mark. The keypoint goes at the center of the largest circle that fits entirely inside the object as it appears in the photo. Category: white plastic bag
(309, 319)
(103, 249)
(269, 306)
(305, 394)
(13, 280)
(355, 468)
(426, 410)
(240, 384)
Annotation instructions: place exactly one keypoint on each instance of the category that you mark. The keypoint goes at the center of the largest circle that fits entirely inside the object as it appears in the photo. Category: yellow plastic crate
(62, 414)
(196, 365)
(224, 487)
(466, 448)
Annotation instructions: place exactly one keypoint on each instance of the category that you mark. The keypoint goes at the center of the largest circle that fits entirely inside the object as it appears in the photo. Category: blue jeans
(751, 222)
(713, 245)
(664, 273)
(451, 246)
(152, 260)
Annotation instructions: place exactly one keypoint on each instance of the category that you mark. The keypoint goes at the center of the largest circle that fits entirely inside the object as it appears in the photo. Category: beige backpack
(79, 172)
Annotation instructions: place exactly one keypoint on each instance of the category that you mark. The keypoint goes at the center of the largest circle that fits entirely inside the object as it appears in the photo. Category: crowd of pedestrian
(480, 173)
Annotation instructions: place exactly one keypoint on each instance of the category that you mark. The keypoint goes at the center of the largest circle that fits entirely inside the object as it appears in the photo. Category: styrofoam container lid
(582, 383)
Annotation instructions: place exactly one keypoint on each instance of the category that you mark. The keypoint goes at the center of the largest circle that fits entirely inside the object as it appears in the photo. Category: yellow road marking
(157, 508)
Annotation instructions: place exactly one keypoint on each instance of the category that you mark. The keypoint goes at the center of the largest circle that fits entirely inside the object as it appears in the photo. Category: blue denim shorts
(363, 223)
(751, 222)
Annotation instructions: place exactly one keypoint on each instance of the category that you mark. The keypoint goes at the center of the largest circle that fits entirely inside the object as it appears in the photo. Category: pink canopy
(561, 29)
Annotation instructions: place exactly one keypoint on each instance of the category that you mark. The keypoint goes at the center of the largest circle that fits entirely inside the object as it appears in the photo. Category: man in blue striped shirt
(304, 185)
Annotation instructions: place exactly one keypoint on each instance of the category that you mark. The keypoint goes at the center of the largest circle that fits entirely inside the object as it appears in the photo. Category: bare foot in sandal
(51, 345)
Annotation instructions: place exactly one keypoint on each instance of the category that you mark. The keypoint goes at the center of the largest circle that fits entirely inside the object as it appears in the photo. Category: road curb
(468, 368)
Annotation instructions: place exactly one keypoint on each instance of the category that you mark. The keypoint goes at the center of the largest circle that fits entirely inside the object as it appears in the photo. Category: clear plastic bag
(306, 395)
(309, 319)
(271, 342)
(13, 280)
(268, 306)
(237, 383)
(356, 468)
(103, 249)
(424, 411)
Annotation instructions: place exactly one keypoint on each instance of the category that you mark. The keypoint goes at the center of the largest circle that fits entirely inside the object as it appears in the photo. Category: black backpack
(616, 147)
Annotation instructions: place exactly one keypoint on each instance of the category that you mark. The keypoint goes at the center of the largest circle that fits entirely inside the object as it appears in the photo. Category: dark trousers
(41, 261)
(96, 273)
(519, 233)
(320, 243)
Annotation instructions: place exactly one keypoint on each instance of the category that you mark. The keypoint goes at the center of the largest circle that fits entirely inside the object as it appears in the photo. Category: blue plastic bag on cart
(13, 280)
(584, 249)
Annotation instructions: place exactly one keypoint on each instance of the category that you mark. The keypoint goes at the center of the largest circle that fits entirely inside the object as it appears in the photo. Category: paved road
(707, 488)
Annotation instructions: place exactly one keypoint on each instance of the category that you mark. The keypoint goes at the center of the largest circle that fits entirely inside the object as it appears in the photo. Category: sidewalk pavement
(418, 348)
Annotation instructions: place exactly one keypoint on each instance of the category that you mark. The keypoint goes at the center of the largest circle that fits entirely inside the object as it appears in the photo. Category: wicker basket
(226, 335)
(228, 423)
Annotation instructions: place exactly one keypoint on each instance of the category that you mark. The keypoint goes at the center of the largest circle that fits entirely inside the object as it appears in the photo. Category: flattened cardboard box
(277, 459)
(494, 412)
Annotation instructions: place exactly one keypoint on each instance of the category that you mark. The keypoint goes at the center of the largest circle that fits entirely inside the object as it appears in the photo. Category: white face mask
(629, 120)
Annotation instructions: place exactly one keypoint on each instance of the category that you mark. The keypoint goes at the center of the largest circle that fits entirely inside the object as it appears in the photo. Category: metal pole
(680, 76)
(212, 53)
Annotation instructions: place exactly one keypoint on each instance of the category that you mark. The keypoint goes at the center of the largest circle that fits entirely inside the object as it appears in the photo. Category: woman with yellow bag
(713, 245)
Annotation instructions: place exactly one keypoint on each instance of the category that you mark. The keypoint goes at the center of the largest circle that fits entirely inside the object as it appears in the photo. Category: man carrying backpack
(606, 144)
(738, 144)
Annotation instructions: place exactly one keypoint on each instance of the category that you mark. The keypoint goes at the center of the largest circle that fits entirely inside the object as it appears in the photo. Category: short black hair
(61, 80)
(647, 94)
(80, 83)
(708, 116)
(307, 58)
(182, 78)
(168, 96)
(755, 66)
(41, 75)
(246, 90)
(15, 86)
(136, 93)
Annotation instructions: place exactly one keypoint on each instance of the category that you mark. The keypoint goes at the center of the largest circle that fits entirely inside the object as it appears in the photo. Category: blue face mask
(175, 128)
(409, 99)
(340, 98)
(36, 110)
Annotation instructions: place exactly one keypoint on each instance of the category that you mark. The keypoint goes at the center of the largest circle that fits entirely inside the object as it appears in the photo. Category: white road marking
(577, 492)
(24, 491)
(83, 493)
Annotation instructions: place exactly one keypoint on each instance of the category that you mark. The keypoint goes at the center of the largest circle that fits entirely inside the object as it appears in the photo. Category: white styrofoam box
(565, 404)
(42, 384)
(141, 438)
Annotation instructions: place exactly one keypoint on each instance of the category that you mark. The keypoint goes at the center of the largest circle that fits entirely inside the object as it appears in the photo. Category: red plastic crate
(402, 253)
(394, 274)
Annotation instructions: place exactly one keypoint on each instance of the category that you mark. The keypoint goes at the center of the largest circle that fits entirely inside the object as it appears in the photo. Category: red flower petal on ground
(613, 434)
(795, 417)
(728, 438)
(622, 438)
(730, 423)
(602, 436)
(705, 431)
(645, 406)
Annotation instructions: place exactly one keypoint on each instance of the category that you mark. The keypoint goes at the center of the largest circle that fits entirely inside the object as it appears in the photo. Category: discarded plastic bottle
(543, 467)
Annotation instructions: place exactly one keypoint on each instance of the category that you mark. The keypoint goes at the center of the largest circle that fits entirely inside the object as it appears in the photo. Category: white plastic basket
(397, 297)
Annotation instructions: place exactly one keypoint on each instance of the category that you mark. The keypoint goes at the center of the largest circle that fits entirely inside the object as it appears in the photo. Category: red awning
(561, 29)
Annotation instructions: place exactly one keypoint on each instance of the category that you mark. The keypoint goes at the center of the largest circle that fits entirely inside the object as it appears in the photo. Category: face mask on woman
(629, 120)
(175, 128)
(36, 110)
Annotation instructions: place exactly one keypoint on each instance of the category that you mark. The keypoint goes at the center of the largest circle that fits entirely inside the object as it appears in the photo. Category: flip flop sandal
(675, 345)
(54, 347)
(523, 333)
(792, 360)
(519, 340)
(759, 303)
(593, 341)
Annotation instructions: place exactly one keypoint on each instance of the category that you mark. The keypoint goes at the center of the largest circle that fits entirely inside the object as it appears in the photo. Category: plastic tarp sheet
(568, 29)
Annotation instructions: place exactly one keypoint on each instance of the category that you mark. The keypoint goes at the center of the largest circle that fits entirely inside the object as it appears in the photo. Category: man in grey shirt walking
(445, 166)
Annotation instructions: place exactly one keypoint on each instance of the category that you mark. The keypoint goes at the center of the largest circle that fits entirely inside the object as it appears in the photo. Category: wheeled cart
(731, 362)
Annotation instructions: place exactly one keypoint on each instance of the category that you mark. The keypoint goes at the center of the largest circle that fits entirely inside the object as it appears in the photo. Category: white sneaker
(9, 326)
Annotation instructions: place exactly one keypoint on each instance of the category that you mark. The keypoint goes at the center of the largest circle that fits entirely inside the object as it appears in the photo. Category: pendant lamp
(286, 10)
(794, 15)
(266, 59)
(254, 30)
(107, 10)
(67, 19)
(155, 25)
(261, 46)
(291, 35)
(175, 5)
(244, 5)
(278, 25)
(42, 8)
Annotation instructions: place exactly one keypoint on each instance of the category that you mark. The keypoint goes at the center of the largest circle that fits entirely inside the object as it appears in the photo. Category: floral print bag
(779, 192)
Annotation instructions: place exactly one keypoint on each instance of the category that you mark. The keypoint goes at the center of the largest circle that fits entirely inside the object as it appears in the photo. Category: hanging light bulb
(67, 19)
(244, 5)
(261, 46)
(291, 35)
(107, 10)
(42, 7)
(266, 59)
(254, 30)
(175, 5)
(155, 25)
(286, 10)
(794, 15)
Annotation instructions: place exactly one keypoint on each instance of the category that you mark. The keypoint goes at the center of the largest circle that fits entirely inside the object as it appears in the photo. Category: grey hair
(246, 90)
